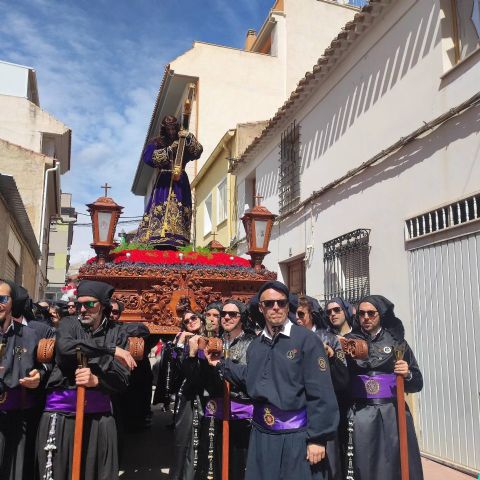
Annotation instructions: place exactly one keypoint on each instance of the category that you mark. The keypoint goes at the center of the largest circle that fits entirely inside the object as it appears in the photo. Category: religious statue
(168, 214)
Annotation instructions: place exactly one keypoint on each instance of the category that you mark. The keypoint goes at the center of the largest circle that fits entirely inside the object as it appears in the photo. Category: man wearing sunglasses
(287, 376)
(103, 343)
(22, 379)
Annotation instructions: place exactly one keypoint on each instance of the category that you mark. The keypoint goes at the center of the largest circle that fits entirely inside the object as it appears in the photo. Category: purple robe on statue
(166, 223)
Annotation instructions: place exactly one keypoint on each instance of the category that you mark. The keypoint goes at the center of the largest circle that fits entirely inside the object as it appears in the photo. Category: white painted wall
(390, 84)
(13, 80)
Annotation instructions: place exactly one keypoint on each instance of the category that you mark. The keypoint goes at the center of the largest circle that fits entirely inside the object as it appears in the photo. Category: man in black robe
(21, 382)
(295, 410)
(373, 443)
(103, 344)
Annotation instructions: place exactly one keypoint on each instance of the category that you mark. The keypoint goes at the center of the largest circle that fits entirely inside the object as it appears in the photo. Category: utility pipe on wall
(42, 221)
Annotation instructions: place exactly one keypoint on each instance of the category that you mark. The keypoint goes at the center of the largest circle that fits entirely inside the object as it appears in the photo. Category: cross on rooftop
(106, 187)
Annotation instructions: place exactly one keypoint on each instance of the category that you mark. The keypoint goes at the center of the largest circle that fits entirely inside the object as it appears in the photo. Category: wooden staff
(402, 416)
(79, 415)
(226, 420)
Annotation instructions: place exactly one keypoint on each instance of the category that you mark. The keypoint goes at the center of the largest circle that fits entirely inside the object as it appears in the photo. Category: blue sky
(99, 64)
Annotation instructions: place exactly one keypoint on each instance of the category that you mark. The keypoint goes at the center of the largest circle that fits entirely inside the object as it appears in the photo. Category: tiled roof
(339, 46)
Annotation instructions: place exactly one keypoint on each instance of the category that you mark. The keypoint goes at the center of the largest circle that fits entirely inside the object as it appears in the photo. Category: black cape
(100, 453)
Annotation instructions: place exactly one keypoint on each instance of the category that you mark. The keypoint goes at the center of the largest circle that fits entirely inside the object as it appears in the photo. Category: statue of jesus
(168, 214)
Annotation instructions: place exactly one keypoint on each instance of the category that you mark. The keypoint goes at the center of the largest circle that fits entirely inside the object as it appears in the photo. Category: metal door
(445, 292)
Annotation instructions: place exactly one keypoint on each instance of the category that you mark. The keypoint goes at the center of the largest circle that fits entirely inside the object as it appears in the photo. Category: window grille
(289, 178)
(443, 218)
(346, 266)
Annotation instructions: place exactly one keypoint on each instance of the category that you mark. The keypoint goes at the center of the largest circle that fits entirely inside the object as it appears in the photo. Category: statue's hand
(183, 134)
(174, 145)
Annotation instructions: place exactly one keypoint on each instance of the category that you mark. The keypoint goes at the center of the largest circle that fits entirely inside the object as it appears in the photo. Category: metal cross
(257, 199)
(106, 187)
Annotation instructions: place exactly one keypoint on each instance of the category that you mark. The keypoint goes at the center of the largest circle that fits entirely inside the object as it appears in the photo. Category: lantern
(258, 223)
(104, 213)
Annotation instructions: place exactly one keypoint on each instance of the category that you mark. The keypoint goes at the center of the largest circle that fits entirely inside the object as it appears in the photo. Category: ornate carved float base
(156, 294)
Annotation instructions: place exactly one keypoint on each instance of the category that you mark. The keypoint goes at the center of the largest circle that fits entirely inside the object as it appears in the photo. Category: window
(289, 181)
(207, 216)
(443, 218)
(466, 27)
(296, 276)
(346, 266)
(222, 201)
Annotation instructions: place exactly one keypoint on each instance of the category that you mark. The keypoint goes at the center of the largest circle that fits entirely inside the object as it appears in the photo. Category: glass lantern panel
(104, 219)
(260, 231)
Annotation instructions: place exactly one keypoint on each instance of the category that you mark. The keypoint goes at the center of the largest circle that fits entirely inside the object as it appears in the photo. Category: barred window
(289, 178)
(346, 266)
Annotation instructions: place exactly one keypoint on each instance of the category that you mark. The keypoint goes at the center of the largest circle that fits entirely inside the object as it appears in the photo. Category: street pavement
(147, 454)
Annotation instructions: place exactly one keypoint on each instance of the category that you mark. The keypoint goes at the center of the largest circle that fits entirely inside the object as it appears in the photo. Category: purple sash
(17, 398)
(238, 410)
(66, 401)
(375, 386)
(273, 418)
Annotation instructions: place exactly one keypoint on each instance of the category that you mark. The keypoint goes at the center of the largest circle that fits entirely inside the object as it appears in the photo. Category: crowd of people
(297, 406)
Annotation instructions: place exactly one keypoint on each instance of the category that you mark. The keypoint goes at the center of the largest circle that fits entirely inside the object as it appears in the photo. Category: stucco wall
(391, 83)
(28, 265)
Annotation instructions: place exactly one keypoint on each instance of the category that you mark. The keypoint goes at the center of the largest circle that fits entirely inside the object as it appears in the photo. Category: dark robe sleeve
(234, 372)
(322, 408)
(415, 384)
(339, 368)
(193, 149)
(114, 378)
(67, 343)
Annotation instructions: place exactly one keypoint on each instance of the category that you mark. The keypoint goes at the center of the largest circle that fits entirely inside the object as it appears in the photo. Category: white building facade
(242, 85)
(373, 166)
(35, 148)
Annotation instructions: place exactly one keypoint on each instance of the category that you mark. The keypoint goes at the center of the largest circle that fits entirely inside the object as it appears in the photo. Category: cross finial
(258, 198)
(106, 187)
(214, 234)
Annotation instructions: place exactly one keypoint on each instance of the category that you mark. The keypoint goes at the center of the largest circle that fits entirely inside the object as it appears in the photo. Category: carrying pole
(79, 416)
(402, 417)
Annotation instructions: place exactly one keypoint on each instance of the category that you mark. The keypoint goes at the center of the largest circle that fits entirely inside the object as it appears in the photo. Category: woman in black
(373, 443)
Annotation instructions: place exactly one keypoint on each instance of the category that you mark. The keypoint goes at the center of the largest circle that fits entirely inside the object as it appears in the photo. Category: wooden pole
(226, 430)
(79, 416)
(402, 415)
(402, 427)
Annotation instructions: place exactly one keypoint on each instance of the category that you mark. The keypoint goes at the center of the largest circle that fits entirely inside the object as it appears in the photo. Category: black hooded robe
(372, 425)
(18, 426)
(99, 453)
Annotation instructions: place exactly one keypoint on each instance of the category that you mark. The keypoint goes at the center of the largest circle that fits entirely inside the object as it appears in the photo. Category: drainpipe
(44, 212)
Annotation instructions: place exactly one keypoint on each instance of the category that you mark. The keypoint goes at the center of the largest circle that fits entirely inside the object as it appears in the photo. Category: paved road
(147, 454)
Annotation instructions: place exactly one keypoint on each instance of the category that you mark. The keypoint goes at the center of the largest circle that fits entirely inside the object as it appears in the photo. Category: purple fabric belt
(66, 401)
(238, 410)
(273, 418)
(16, 399)
(376, 386)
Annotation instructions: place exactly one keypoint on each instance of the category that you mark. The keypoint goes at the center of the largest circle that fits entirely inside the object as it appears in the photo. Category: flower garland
(172, 257)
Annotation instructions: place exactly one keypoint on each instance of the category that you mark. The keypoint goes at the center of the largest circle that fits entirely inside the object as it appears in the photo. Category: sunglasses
(115, 312)
(282, 303)
(88, 305)
(300, 314)
(230, 314)
(71, 306)
(190, 319)
(333, 310)
(368, 313)
(4, 298)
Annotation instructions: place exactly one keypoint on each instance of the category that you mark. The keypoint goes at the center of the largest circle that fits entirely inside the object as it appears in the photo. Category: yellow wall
(209, 182)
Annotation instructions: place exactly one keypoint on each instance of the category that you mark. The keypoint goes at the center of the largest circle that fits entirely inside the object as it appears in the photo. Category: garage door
(445, 292)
